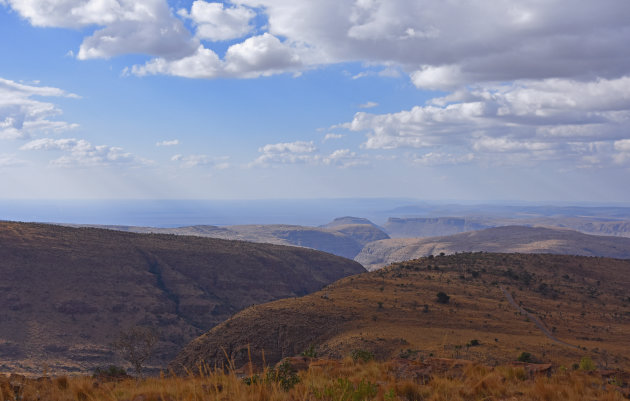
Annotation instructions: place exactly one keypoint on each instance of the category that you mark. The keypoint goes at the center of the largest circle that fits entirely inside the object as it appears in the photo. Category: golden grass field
(345, 380)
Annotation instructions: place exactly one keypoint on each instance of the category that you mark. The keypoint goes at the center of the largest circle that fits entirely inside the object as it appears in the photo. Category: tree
(442, 297)
(136, 346)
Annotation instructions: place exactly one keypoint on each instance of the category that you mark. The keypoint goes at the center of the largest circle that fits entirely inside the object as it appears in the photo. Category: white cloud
(79, 152)
(257, 56)
(173, 142)
(368, 105)
(344, 158)
(287, 153)
(191, 161)
(539, 118)
(21, 115)
(440, 44)
(622, 151)
(438, 77)
(216, 22)
(439, 159)
(330, 136)
(128, 26)
(302, 152)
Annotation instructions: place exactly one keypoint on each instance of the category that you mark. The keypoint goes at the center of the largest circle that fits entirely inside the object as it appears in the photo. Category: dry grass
(348, 381)
(583, 301)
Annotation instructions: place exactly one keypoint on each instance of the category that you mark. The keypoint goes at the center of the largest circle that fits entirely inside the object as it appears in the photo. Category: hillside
(394, 311)
(431, 226)
(343, 237)
(65, 293)
(440, 226)
(500, 239)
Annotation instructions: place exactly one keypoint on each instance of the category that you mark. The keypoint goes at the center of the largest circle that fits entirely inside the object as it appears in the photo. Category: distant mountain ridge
(65, 293)
(343, 237)
(407, 227)
(497, 239)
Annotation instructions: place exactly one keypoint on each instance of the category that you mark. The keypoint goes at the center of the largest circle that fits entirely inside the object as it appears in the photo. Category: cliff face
(65, 293)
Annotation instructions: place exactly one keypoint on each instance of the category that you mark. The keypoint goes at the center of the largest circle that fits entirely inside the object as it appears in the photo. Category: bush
(110, 371)
(285, 375)
(442, 297)
(310, 352)
(525, 357)
(474, 343)
(361, 355)
(586, 364)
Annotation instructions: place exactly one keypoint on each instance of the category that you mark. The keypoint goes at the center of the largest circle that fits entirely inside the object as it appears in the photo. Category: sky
(291, 99)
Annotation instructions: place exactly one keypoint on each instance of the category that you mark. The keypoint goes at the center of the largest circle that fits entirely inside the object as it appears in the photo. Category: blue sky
(253, 99)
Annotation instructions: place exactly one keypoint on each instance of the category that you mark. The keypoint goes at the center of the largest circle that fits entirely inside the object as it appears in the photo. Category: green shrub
(361, 355)
(310, 352)
(586, 364)
(284, 374)
(525, 357)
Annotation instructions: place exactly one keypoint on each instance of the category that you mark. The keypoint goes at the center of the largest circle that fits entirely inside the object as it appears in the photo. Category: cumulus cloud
(331, 135)
(368, 105)
(344, 158)
(216, 22)
(22, 115)
(440, 159)
(287, 153)
(262, 55)
(173, 142)
(127, 26)
(440, 44)
(191, 161)
(302, 152)
(535, 117)
(79, 152)
(449, 43)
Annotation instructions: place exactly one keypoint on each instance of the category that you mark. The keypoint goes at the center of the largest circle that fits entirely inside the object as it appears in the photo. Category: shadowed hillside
(500, 239)
(582, 303)
(65, 293)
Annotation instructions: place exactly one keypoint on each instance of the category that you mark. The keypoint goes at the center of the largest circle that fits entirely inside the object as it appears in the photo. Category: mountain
(430, 226)
(494, 307)
(343, 237)
(439, 226)
(348, 220)
(499, 239)
(66, 293)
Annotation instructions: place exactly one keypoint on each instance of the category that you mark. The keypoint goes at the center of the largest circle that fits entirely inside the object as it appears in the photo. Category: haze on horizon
(279, 99)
